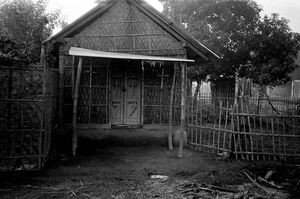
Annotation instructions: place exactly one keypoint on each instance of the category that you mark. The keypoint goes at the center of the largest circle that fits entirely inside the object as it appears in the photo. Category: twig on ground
(268, 191)
(46, 188)
(269, 183)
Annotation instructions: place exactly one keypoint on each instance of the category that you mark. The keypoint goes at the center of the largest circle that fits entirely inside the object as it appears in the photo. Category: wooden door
(117, 96)
(125, 95)
(132, 105)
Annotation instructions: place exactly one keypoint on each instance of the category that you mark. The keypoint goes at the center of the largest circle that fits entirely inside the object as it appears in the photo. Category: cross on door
(162, 78)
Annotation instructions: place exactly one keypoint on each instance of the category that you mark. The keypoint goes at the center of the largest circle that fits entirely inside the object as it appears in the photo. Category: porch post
(61, 89)
(183, 101)
(74, 123)
(170, 137)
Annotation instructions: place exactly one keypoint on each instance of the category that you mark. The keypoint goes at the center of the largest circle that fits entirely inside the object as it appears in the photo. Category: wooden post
(77, 83)
(182, 118)
(61, 90)
(108, 96)
(44, 113)
(142, 95)
(171, 109)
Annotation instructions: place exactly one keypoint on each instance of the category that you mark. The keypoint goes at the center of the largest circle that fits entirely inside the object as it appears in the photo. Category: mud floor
(108, 171)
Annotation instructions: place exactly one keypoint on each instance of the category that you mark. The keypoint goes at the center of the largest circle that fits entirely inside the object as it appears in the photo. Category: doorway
(125, 93)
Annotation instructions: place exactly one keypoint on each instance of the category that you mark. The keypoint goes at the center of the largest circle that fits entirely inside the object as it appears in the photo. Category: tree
(262, 49)
(28, 24)
(272, 52)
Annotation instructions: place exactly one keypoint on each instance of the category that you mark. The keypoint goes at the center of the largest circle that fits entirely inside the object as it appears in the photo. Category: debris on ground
(114, 173)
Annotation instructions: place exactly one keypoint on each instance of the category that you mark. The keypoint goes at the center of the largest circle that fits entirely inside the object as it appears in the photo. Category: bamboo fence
(216, 125)
(28, 109)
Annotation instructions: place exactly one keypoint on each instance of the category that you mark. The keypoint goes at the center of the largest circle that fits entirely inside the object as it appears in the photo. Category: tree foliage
(261, 48)
(28, 24)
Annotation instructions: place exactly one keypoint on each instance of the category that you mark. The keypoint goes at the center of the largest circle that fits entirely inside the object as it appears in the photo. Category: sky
(290, 9)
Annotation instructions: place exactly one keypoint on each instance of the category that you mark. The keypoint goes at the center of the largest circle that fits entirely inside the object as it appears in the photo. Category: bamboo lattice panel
(27, 115)
(93, 91)
(157, 91)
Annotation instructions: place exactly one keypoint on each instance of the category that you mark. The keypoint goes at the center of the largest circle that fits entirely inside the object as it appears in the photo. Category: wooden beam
(183, 101)
(77, 83)
(171, 109)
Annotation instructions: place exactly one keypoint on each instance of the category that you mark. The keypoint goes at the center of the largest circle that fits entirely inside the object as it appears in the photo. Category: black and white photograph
(144, 99)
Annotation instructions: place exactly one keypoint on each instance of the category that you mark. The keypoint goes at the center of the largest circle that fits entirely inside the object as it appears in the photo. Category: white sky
(290, 9)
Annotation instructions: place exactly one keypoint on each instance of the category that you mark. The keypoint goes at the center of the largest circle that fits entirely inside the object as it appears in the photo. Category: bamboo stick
(213, 134)
(219, 132)
(226, 121)
(170, 136)
(77, 83)
(201, 122)
(250, 131)
(244, 127)
(273, 138)
(194, 118)
(262, 137)
(239, 137)
(233, 135)
(183, 116)
(278, 132)
(284, 133)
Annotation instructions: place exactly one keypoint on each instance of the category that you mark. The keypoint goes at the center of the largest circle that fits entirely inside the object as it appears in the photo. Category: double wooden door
(125, 94)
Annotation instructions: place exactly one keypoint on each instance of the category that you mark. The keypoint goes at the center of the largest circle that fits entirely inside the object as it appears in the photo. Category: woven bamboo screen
(157, 92)
(93, 91)
(27, 116)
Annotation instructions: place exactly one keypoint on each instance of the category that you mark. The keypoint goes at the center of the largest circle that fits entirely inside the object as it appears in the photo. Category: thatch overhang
(195, 50)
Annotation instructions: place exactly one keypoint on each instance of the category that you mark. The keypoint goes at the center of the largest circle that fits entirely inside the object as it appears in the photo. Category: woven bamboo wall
(157, 92)
(93, 91)
(123, 28)
(27, 115)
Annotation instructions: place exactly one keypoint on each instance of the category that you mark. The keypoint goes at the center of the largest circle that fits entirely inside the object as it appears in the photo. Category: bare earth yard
(114, 171)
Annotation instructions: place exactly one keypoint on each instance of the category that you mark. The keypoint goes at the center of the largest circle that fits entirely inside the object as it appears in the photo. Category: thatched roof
(194, 48)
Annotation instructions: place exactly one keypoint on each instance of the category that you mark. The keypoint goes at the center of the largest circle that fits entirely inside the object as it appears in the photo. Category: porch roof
(94, 53)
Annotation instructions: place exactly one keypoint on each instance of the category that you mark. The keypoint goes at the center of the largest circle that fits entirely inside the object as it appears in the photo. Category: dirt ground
(110, 169)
